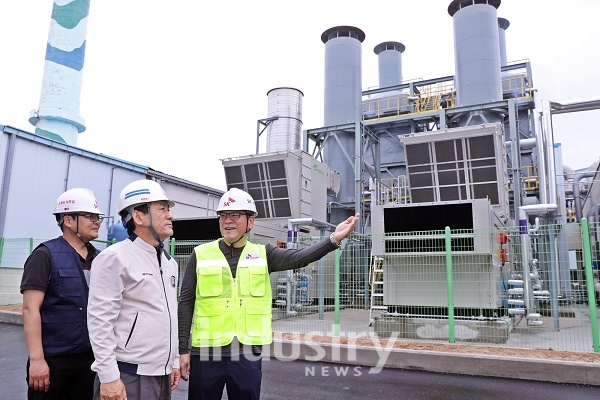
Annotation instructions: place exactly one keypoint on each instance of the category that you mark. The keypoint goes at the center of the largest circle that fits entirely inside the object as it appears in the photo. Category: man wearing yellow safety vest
(227, 291)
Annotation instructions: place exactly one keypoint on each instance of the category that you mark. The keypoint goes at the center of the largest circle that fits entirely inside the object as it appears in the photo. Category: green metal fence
(481, 287)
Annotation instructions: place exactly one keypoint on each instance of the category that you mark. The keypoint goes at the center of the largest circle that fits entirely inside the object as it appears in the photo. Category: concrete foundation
(484, 331)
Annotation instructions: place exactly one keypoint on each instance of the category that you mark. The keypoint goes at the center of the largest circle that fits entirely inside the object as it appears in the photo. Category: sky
(178, 86)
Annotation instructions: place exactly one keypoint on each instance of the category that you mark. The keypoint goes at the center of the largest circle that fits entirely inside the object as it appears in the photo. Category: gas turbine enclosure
(283, 184)
(459, 164)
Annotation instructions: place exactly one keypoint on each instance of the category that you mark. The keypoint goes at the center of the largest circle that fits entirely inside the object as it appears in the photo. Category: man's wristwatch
(336, 244)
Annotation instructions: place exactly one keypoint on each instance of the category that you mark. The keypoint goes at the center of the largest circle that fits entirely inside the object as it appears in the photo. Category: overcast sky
(180, 85)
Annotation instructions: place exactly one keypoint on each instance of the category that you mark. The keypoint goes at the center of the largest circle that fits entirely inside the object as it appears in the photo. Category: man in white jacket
(132, 308)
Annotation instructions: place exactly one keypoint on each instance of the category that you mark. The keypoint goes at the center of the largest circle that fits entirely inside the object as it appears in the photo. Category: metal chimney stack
(477, 57)
(343, 74)
(343, 106)
(503, 25)
(389, 56)
(58, 117)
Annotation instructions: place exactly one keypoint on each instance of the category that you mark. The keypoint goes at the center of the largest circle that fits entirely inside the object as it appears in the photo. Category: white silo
(284, 131)
(57, 116)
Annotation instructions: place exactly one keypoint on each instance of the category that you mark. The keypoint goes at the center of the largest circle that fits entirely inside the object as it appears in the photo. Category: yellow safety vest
(226, 307)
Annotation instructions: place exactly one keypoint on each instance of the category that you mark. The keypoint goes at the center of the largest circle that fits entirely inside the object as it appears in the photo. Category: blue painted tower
(57, 116)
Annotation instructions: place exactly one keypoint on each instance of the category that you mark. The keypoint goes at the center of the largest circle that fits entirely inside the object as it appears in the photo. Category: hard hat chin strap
(241, 237)
(76, 231)
(232, 243)
(129, 216)
(151, 228)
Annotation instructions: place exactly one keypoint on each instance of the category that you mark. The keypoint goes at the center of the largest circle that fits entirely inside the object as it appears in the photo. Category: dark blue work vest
(64, 309)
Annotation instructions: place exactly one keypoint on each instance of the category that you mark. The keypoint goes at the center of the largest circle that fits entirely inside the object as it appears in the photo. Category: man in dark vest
(55, 294)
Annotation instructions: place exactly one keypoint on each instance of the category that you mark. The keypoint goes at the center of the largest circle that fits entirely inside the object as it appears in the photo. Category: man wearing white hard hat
(227, 290)
(132, 310)
(55, 282)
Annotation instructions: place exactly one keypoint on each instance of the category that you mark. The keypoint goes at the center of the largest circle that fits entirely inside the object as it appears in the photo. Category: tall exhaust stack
(503, 25)
(389, 57)
(477, 57)
(57, 116)
(342, 106)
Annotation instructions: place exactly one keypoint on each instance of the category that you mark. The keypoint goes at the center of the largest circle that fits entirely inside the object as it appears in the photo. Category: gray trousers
(140, 387)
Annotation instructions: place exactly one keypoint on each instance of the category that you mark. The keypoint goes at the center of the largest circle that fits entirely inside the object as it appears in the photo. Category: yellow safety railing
(386, 191)
(435, 96)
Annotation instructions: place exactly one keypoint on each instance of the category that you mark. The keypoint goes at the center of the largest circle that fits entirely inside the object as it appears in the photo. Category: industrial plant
(464, 163)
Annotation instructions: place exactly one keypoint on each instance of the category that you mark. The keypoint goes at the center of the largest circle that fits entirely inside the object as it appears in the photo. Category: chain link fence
(495, 288)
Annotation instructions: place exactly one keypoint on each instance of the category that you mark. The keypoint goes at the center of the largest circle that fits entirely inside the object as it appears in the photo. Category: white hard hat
(237, 200)
(77, 200)
(140, 192)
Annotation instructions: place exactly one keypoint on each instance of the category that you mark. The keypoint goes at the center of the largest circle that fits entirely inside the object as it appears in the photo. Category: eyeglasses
(234, 216)
(92, 217)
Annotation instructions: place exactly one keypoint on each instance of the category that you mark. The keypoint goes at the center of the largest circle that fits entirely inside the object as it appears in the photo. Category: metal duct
(540, 139)
(284, 132)
(550, 108)
(574, 106)
(577, 192)
(548, 132)
(57, 117)
(389, 56)
(528, 143)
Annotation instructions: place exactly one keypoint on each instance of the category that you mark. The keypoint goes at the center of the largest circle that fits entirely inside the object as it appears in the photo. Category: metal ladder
(376, 286)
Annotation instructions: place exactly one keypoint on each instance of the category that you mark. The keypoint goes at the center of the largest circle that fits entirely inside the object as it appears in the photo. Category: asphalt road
(315, 380)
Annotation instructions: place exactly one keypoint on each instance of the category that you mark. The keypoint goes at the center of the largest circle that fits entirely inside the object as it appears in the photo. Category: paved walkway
(303, 380)
(448, 363)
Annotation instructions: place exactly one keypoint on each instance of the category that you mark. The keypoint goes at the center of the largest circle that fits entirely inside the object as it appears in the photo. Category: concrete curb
(11, 317)
(583, 373)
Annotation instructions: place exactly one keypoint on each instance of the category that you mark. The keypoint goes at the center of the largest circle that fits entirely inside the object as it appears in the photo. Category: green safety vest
(226, 307)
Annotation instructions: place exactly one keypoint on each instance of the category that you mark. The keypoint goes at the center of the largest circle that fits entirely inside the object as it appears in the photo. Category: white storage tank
(284, 132)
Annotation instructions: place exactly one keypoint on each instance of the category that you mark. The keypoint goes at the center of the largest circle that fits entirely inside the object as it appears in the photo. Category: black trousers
(240, 374)
(71, 378)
